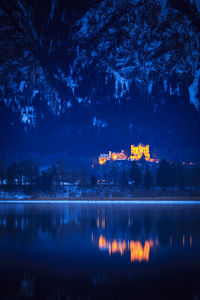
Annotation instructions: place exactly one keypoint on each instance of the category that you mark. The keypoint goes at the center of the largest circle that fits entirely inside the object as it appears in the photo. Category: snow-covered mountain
(109, 65)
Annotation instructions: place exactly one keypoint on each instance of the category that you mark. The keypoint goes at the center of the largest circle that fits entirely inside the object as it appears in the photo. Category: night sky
(79, 78)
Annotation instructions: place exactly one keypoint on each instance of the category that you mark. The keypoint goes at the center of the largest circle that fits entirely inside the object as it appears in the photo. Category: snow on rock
(99, 123)
(28, 115)
(150, 86)
(69, 104)
(165, 85)
(71, 83)
(35, 92)
(121, 83)
(193, 89)
(120, 42)
(22, 86)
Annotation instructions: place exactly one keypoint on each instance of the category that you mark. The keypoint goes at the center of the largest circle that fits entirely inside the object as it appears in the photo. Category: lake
(102, 250)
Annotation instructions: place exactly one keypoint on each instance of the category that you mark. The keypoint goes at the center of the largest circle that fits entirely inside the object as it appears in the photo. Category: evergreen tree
(56, 177)
(173, 174)
(47, 180)
(35, 174)
(2, 171)
(12, 174)
(29, 171)
(180, 177)
(84, 176)
(61, 171)
(93, 181)
(123, 179)
(163, 174)
(147, 178)
(135, 174)
(113, 174)
(196, 176)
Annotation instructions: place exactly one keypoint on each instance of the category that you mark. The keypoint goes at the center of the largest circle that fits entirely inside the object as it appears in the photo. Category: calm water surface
(107, 251)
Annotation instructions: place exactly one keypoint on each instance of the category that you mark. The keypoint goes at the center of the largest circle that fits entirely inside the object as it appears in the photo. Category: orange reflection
(137, 251)
(103, 223)
(183, 241)
(97, 222)
(190, 241)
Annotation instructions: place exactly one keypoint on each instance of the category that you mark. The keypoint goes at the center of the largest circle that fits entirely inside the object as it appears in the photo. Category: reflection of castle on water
(139, 234)
(140, 248)
(137, 251)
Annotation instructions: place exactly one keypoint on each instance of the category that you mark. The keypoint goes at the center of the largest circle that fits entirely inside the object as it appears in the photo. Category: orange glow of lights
(103, 223)
(137, 251)
(190, 241)
(138, 151)
(102, 160)
(183, 240)
(102, 242)
(97, 222)
(109, 249)
(136, 154)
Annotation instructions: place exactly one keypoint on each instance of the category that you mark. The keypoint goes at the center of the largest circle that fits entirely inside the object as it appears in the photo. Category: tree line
(165, 175)
(28, 175)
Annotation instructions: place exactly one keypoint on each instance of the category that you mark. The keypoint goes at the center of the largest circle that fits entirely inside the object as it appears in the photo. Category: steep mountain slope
(107, 73)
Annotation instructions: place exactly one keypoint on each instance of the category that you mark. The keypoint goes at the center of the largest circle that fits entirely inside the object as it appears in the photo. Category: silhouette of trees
(83, 176)
(93, 181)
(60, 170)
(135, 174)
(123, 179)
(2, 171)
(27, 176)
(11, 174)
(163, 174)
(172, 175)
(180, 177)
(148, 179)
(196, 176)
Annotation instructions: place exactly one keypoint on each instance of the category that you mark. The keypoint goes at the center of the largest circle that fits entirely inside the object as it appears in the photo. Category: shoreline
(104, 200)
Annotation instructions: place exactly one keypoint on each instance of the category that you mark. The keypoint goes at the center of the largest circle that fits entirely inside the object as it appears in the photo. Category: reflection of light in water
(103, 223)
(183, 241)
(137, 251)
(97, 222)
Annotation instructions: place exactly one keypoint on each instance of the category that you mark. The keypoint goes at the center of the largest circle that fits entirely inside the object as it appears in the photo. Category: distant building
(137, 152)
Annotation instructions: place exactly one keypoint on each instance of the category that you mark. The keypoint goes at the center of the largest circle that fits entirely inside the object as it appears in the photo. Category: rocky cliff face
(109, 70)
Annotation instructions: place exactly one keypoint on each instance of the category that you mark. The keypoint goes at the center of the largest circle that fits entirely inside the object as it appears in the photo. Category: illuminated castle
(137, 152)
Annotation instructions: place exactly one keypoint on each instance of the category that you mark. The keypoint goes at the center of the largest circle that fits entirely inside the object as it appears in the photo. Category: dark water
(107, 251)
